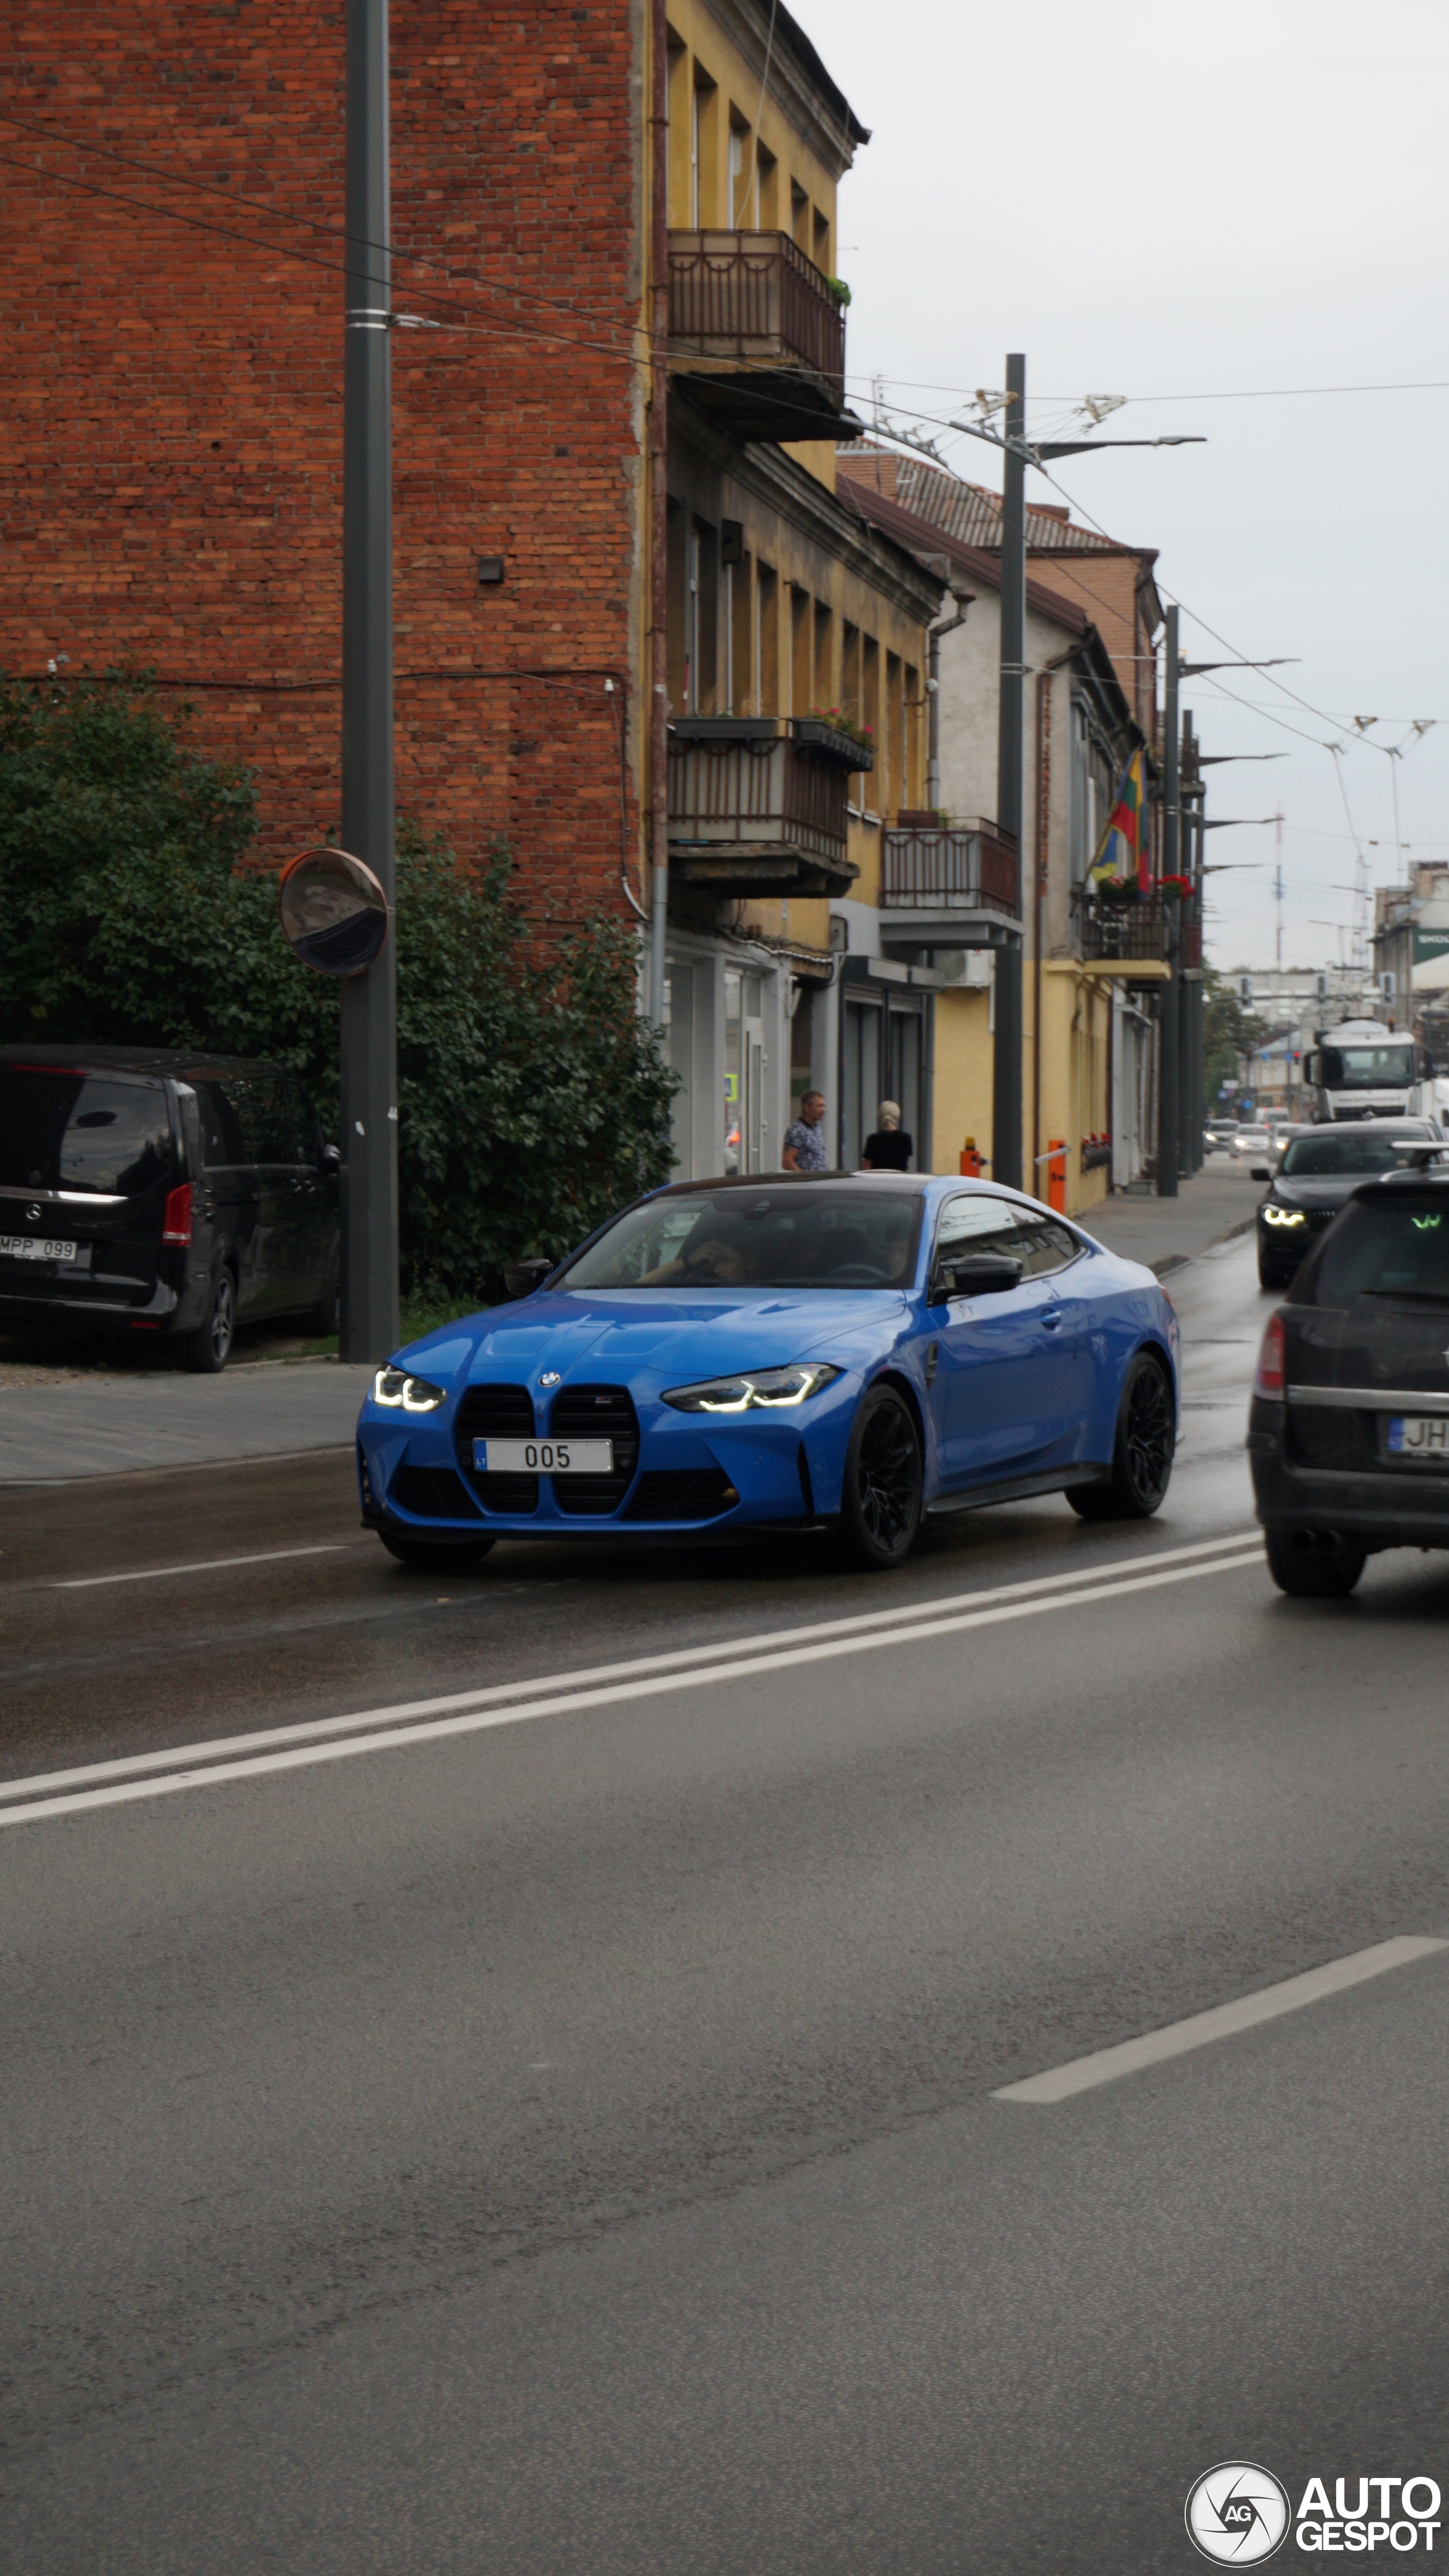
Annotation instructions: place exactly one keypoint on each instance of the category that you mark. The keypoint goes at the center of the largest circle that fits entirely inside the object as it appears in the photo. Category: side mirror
(520, 1278)
(975, 1274)
(1260, 1172)
(331, 1158)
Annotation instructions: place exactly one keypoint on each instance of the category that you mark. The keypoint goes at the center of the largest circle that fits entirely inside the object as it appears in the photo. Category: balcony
(757, 336)
(754, 812)
(945, 887)
(1126, 943)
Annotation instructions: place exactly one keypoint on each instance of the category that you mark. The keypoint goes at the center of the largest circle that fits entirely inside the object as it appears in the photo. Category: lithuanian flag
(1124, 851)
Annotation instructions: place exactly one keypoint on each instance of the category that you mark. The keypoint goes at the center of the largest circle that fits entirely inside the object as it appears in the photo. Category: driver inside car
(710, 1261)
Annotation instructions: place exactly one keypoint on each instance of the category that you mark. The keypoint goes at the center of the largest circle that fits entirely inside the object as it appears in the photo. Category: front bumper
(784, 1469)
(1408, 1507)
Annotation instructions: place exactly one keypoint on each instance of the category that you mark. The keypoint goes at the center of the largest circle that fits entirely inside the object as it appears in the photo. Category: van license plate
(36, 1247)
(543, 1457)
(1419, 1435)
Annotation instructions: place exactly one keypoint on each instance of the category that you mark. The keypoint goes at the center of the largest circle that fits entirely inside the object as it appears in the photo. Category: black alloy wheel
(207, 1350)
(881, 1501)
(437, 1555)
(1313, 1565)
(1142, 1453)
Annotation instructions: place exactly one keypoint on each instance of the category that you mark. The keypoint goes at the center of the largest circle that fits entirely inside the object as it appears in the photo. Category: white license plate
(36, 1247)
(1419, 1435)
(543, 1457)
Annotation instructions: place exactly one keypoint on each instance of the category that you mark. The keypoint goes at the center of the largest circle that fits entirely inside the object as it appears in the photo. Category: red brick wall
(173, 420)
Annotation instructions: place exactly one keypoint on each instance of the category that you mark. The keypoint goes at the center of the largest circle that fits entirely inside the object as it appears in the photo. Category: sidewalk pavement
(108, 1424)
(1220, 1200)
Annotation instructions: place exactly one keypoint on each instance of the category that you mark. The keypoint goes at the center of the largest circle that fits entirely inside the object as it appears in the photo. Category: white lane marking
(204, 1565)
(676, 1659)
(1200, 2029)
(477, 1720)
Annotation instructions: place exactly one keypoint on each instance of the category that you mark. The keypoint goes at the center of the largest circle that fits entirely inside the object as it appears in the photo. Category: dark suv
(1348, 1432)
(149, 1190)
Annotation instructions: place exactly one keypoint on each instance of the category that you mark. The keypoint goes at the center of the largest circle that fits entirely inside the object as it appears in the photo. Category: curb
(1183, 1260)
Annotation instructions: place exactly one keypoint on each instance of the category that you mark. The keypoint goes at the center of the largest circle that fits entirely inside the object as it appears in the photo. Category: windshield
(830, 1237)
(1386, 1248)
(1362, 1149)
(76, 1131)
(1368, 1068)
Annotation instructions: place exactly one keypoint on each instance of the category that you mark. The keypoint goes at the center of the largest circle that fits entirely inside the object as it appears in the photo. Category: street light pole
(369, 1001)
(1006, 1149)
(1168, 1068)
(1018, 451)
(1189, 1104)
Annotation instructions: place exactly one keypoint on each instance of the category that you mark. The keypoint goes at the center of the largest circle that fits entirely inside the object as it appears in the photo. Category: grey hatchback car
(151, 1190)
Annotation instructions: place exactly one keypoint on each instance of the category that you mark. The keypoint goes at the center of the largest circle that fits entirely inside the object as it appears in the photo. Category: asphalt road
(559, 2132)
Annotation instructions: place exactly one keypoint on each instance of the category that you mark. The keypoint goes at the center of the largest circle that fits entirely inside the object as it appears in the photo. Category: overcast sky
(1163, 201)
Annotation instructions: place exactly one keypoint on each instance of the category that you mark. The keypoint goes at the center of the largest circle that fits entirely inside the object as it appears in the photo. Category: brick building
(174, 454)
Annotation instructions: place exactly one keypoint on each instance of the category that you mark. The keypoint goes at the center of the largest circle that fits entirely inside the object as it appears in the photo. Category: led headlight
(1273, 1214)
(768, 1387)
(393, 1387)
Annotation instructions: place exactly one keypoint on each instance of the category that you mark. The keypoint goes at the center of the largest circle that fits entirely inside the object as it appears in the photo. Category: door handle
(1051, 1323)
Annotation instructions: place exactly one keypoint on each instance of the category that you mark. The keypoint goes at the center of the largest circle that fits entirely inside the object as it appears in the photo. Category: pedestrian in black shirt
(890, 1148)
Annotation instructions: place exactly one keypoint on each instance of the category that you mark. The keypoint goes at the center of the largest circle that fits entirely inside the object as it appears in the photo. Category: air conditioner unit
(967, 967)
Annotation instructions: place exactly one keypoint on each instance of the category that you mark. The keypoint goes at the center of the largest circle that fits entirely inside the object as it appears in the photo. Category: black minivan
(151, 1190)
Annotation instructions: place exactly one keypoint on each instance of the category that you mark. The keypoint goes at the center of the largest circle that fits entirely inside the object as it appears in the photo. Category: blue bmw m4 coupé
(730, 1358)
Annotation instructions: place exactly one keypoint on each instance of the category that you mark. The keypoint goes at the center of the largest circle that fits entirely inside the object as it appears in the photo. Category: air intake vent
(496, 1413)
(682, 1494)
(596, 1413)
(432, 1494)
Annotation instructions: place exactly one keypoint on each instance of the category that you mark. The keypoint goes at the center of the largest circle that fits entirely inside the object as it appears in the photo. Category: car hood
(670, 1335)
(1328, 1192)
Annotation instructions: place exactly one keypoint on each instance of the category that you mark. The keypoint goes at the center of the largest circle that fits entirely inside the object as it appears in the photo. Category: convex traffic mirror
(333, 911)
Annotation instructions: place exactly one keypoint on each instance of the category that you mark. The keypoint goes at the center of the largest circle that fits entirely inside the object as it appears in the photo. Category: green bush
(532, 1098)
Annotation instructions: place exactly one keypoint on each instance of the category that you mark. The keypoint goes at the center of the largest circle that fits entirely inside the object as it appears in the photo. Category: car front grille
(432, 1494)
(682, 1494)
(596, 1413)
(495, 1413)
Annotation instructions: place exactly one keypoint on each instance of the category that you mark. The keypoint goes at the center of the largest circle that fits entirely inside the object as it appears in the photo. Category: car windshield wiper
(1412, 1296)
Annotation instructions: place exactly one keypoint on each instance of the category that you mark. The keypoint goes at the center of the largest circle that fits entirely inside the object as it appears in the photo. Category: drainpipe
(658, 509)
(943, 626)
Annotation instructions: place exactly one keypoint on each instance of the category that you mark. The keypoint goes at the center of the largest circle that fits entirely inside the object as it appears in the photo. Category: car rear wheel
(437, 1555)
(880, 1511)
(209, 1348)
(1141, 1454)
(1313, 1565)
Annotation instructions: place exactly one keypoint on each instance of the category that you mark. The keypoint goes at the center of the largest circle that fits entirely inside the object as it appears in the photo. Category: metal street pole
(1007, 1054)
(369, 1001)
(1189, 1119)
(1197, 990)
(1168, 1086)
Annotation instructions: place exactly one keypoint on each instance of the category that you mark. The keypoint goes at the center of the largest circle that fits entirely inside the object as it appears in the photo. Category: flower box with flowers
(831, 735)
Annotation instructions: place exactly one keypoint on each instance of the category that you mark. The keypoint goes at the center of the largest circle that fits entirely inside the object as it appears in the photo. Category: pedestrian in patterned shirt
(805, 1140)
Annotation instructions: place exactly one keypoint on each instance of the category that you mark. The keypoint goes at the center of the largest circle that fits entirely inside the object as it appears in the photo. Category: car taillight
(176, 1223)
(1269, 1380)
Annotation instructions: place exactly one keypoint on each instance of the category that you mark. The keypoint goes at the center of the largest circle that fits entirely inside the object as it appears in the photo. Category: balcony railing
(755, 328)
(751, 811)
(1132, 933)
(944, 870)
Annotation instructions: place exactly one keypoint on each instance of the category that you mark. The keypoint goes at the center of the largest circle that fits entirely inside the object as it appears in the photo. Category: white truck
(1364, 1069)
